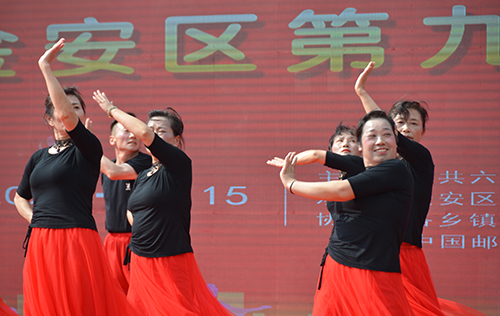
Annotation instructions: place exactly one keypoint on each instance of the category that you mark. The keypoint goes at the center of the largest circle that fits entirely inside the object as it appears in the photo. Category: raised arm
(368, 103)
(62, 105)
(303, 158)
(23, 206)
(337, 190)
(133, 124)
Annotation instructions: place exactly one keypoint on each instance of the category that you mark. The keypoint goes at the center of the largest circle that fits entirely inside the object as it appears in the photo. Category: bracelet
(291, 184)
(109, 111)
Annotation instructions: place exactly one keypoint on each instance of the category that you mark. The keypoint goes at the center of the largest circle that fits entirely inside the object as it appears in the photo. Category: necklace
(62, 144)
(154, 168)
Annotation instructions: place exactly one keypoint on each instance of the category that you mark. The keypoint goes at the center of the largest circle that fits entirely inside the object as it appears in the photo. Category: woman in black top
(165, 278)
(410, 118)
(361, 275)
(65, 271)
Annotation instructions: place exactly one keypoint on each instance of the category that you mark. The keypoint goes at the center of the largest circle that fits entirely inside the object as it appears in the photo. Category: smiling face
(161, 126)
(378, 142)
(412, 126)
(345, 144)
(123, 140)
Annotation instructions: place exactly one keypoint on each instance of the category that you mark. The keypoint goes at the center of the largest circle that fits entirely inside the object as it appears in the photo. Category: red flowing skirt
(420, 290)
(417, 281)
(455, 309)
(115, 246)
(171, 286)
(66, 273)
(5, 309)
(347, 291)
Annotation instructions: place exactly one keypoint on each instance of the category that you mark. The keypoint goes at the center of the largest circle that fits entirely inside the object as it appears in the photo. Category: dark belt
(322, 266)
(27, 240)
(128, 252)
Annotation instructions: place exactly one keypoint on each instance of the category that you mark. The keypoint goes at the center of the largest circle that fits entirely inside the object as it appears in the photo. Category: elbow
(145, 134)
(19, 199)
(16, 199)
(112, 176)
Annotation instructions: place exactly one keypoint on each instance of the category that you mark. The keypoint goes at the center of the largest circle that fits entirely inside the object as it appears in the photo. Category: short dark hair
(71, 90)
(116, 122)
(340, 129)
(175, 121)
(402, 108)
(371, 116)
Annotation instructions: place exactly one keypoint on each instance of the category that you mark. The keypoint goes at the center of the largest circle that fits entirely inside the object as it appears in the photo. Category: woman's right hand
(102, 100)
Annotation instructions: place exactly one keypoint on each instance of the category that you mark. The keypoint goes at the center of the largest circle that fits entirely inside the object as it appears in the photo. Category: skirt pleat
(417, 282)
(115, 247)
(420, 290)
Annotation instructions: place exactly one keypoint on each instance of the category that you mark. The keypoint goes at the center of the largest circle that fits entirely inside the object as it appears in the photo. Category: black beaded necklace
(62, 143)
(154, 168)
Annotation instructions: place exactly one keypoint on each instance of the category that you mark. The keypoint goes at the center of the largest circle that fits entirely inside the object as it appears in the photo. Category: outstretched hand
(287, 173)
(102, 100)
(51, 53)
(359, 87)
(276, 161)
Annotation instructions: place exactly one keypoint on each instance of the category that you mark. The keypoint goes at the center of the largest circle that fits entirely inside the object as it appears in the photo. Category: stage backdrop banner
(257, 79)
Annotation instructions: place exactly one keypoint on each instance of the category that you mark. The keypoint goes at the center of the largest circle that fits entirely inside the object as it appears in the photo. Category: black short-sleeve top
(62, 184)
(369, 229)
(161, 204)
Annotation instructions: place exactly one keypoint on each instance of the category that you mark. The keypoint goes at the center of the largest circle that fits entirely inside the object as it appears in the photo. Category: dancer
(165, 278)
(65, 270)
(410, 118)
(361, 275)
(117, 182)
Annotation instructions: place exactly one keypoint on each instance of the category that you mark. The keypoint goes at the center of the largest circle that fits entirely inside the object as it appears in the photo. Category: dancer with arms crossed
(410, 118)
(361, 275)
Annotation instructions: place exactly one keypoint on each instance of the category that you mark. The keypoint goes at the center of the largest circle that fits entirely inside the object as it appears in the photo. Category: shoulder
(39, 154)
(414, 149)
(142, 156)
(393, 164)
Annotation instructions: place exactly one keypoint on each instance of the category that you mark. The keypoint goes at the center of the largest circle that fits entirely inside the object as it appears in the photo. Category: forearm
(23, 206)
(311, 156)
(133, 125)
(368, 103)
(60, 100)
(117, 172)
(337, 190)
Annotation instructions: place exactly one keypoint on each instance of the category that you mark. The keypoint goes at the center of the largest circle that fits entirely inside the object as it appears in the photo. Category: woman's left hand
(359, 86)
(287, 173)
(50, 54)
